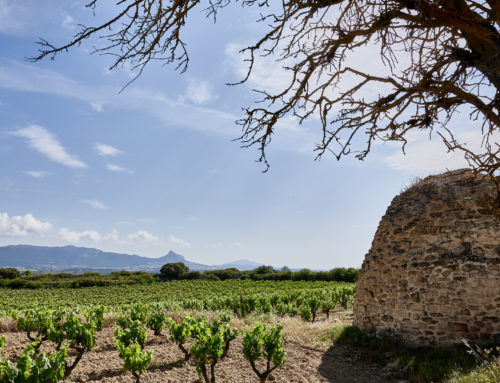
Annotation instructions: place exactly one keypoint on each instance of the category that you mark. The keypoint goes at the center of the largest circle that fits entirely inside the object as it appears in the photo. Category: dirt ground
(310, 358)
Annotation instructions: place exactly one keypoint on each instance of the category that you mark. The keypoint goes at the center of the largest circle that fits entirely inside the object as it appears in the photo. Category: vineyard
(56, 339)
(261, 296)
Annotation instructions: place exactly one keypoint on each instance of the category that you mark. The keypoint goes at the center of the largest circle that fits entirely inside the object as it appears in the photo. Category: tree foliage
(173, 270)
(9, 273)
(268, 344)
(442, 57)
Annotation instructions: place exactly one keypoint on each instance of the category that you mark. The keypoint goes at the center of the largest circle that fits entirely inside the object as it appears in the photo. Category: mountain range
(77, 259)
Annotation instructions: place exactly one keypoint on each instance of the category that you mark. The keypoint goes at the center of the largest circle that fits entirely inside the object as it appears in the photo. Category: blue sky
(154, 168)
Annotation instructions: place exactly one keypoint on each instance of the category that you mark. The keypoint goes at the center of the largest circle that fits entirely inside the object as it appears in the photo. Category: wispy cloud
(28, 17)
(116, 168)
(179, 242)
(95, 204)
(72, 236)
(43, 141)
(113, 236)
(142, 236)
(76, 236)
(20, 226)
(22, 77)
(68, 22)
(198, 92)
(266, 73)
(423, 156)
(37, 173)
(9, 24)
(106, 150)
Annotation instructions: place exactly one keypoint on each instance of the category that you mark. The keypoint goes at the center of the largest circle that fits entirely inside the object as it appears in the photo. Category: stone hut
(432, 275)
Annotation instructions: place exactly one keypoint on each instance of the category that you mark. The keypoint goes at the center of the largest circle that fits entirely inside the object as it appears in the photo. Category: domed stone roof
(432, 275)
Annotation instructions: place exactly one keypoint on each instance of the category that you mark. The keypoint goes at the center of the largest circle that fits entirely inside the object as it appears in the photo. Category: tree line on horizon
(13, 278)
(179, 271)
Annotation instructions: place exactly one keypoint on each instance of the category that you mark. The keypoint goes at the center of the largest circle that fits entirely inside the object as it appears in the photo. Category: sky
(156, 168)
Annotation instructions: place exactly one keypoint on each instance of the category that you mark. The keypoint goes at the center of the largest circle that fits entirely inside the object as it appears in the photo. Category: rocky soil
(304, 362)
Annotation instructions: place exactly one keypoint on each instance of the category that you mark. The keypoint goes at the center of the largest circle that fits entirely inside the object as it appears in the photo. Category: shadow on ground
(337, 366)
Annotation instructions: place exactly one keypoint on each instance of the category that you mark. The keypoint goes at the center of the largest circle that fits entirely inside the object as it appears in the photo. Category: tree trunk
(241, 306)
(204, 374)
(212, 372)
(186, 352)
(69, 369)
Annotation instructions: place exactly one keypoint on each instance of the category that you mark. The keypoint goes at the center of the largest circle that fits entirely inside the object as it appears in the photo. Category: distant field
(283, 297)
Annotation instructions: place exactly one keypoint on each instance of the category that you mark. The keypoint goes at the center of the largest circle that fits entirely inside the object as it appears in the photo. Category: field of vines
(259, 296)
(61, 326)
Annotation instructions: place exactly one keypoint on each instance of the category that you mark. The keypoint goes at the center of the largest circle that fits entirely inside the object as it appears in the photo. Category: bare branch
(442, 56)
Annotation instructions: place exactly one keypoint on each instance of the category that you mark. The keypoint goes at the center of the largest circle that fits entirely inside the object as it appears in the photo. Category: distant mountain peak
(173, 257)
(244, 262)
(55, 258)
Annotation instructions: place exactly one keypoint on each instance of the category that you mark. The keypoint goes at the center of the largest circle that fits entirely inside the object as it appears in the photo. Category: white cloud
(43, 141)
(116, 168)
(179, 242)
(71, 236)
(97, 106)
(68, 22)
(198, 92)
(20, 226)
(95, 204)
(266, 72)
(106, 150)
(37, 173)
(23, 226)
(142, 236)
(425, 156)
(269, 75)
(76, 236)
(113, 236)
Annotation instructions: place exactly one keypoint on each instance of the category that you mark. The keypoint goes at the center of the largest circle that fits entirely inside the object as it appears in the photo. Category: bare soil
(310, 358)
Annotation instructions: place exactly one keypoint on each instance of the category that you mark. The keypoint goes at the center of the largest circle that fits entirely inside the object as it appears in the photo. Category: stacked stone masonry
(432, 275)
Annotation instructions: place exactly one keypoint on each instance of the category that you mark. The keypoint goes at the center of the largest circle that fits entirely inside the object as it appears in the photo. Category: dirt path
(304, 364)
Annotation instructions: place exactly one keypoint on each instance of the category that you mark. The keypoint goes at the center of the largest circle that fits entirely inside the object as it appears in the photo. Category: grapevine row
(241, 297)
(209, 342)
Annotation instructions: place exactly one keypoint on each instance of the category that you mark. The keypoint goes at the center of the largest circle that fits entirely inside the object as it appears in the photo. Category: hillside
(72, 258)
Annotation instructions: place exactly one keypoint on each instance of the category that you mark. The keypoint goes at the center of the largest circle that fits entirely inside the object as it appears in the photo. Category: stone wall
(432, 275)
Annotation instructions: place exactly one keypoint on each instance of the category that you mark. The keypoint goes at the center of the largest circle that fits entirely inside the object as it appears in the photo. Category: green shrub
(266, 343)
(134, 358)
(181, 332)
(488, 373)
(33, 367)
(305, 313)
(9, 273)
(208, 350)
